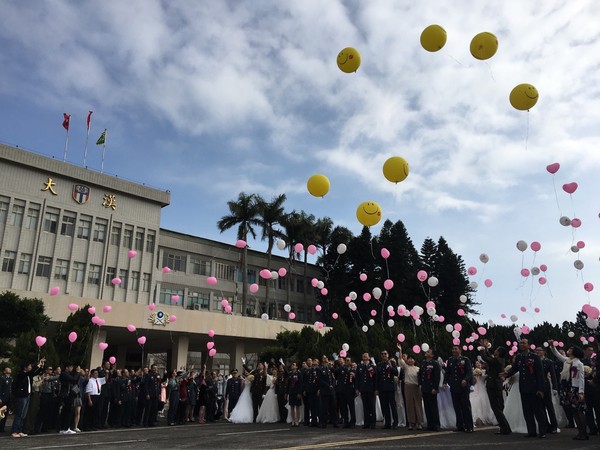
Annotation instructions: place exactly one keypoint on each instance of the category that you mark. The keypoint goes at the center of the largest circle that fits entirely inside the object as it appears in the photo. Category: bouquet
(587, 371)
(477, 372)
(250, 377)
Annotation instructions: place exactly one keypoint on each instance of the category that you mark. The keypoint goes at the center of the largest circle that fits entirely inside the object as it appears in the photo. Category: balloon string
(527, 133)
(556, 195)
(455, 60)
(371, 244)
(491, 73)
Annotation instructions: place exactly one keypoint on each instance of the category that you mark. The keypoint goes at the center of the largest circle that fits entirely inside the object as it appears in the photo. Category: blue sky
(208, 99)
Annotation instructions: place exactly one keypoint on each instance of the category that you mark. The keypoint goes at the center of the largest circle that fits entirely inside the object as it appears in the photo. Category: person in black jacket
(326, 394)
(429, 380)
(5, 394)
(233, 391)
(21, 393)
(550, 384)
(307, 392)
(69, 382)
(150, 392)
(494, 386)
(366, 385)
(460, 375)
(259, 385)
(387, 378)
(294, 391)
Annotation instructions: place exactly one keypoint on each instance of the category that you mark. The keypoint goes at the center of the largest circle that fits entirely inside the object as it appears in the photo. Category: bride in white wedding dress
(243, 413)
(269, 410)
(513, 408)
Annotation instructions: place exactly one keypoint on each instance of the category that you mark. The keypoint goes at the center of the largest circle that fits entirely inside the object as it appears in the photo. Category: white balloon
(431, 311)
(565, 221)
(570, 334)
(390, 323)
(320, 285)
(419, 310)
(406, 313)
(455, 334)
(264, 316)
(578, 264)
(522, 246)
(546, 344)
(591, 323)
(371, 322)
(365, 328)
(341, 249)
(535, 270)
(287, 308)
(274, 275)
(474, 285)
(377, 293)
(390, 308)
(425, 347)
(352, 306)
(432, 281)
(418, 322)
(353, 295)
(280, 244)
(463, 298)
(574, 249)
(484, 258)
(514, 318)
(436, 318)
(345, 347)
(449, 328)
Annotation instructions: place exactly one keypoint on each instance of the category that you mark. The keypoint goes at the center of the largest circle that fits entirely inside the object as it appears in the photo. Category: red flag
(66, 120)
(89, 119)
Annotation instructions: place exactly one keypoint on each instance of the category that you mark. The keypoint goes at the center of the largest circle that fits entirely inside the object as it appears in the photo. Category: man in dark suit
(495, 369)
(550, 384)
(387, 379)
(429, 380)
(150, 392)
(460, 375)
(259, 385)
(233, 390)
(531, 387)
(366, 385)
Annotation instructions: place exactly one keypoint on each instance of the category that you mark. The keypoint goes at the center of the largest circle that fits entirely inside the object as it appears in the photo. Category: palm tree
(322, 237)
(243, 213)
(270, 214)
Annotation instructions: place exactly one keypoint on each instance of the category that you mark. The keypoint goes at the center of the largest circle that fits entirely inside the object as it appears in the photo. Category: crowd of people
(531, 393)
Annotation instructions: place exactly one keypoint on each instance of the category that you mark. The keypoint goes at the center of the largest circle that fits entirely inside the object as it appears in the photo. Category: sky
(211, 98)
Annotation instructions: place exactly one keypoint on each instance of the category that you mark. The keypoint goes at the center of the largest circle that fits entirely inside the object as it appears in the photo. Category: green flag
(102, 139)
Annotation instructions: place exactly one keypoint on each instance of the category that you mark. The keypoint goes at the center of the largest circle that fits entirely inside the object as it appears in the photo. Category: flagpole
(87, 138)
(103, 151)
(66, 144)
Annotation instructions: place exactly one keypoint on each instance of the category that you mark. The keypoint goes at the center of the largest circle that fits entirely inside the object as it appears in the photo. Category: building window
(166, 294)
(251, 276)
(150, 241)
(139, 240)
(224, 272)
(61, 269)
(111, 272)
(174, 262)
(51, 220)
(198, 300)
(123, 277)
(67, 228)
(78, 272)
(8, 263)
(43, 266)
(199, 267)
(127, 236)
(217, 302)
(146, 282)
(94, 274)
(16, 215)
(115, 234)
(300, 285)
(282, 282)
(85, 225)
(135, 280)
(25, 263)
(4, 201)
(100, 230)
(33, 216)
(300, 314)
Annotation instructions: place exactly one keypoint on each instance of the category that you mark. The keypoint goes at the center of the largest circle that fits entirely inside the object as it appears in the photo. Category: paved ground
(276, 436)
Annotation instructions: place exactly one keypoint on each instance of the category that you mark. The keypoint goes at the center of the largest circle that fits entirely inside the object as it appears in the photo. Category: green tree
(18, 316)
(79, 352)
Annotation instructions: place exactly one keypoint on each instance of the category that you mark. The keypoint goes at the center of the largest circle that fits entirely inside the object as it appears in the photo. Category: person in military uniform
(311, 389)
(387, 378)
(326, 394)
(293, 395)
(531, 387)
(259, 385)
(367, 383)
(345, 390)
(233, 390)
(460, 375)
(429, 381)
(495, 370)
(550, 384)
(281, 390)
(305, 371)
(150, 391)
(592, 396)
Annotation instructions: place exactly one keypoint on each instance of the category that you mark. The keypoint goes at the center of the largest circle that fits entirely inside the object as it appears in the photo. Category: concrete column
(121, 356)
(235, 355)
(179, 352)
(97, 354)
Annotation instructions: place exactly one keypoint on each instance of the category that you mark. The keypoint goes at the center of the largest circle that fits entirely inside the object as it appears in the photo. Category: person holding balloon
(21, 391)
(412, 392)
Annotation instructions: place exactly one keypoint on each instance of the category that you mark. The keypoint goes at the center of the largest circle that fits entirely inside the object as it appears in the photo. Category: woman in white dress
(400, 403)
(269, 410)
(480, 402)
(513, 408)
(445, 407)
(358, 404)
(243, 413)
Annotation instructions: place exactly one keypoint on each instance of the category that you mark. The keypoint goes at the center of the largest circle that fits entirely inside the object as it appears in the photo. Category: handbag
(75, 390)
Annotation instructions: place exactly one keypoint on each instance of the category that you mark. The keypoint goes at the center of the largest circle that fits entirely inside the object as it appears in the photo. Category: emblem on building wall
(159, 318)
(110, 201)
(49, 186)
(81, 193)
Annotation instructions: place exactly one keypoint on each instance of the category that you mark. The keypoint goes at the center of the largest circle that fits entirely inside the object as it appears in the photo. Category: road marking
(255, 432)
(130, 441)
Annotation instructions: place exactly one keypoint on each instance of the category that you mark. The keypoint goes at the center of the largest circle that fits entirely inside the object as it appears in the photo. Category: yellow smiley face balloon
(484, 46)
(368, 213)
(395, 169)
(348, 60)
(524, 97)
(433, 38)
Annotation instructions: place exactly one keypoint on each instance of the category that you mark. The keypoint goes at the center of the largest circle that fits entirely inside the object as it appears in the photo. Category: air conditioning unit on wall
(197, 307)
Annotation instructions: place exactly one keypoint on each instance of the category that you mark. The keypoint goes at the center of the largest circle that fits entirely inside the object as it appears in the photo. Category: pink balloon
(488, 283)
(92, 310)
(211, 333)
(576, 223)
(212, 352)
(282, 271)
(240, 243)
(366, 296)
(416, 349)
(421, 275)
(175, 298)
(112, 360)
(580, 244)
(55, 290)
(131, 328)
(211, 281)
(482, 331)
(314, 282)
(553, 168)
(525, 272)
(373, 313)
(172, 318)
(391, 313)
(265, 274)
(555, 343)
(388, 284)
(535, 246)
(224, 303)
(465, 348)
(151, 306)
(570, 188)
(401, 337)
(311, 249)
(508, 343)
(324, 291)
(73, 307)
(537, 310)
(589, 287)
(591, 339)
(102, 346)
(101, 322)
(430, 304)
(107, 308)
(441, 319)
(210, 345)
(525, 329)
(253, 288)
(166, 269)
(455, 341)
(593, 312)
(343, 353)
(363, 277)
(543, 267)
(458, 327)
(96, 320)
(72, 337)
(318, 308)
(503, 316)
(542, 280)
(40, 340)
(298, 248)
(472, 271)
(116, 281)
(460, 312)
(131, 254)
(385, 253)
(141, 340)
(561, 344)
(335, 316)
(228, 309)
(523, 309)
(292, 316)
(532, 347)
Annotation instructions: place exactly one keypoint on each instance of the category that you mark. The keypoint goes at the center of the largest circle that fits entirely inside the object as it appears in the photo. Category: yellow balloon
(318, 185)
(368, 213)
(524, 97)
(433, 38)
(484, 45)
(395, 169)
(348, 60)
